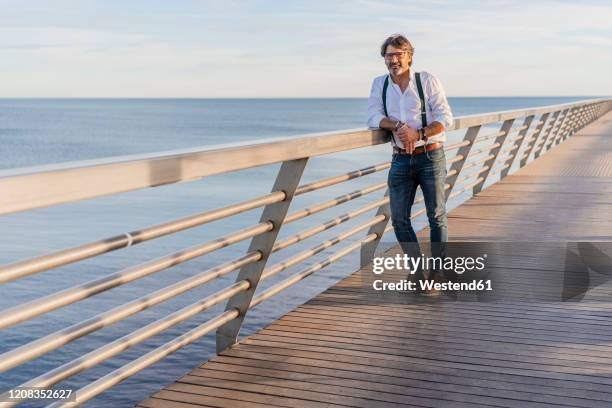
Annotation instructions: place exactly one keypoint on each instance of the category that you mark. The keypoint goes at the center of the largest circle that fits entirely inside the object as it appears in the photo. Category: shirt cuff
(444, 120)
(374, 122)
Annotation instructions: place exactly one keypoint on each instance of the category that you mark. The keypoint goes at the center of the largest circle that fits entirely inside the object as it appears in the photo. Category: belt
(420, 149)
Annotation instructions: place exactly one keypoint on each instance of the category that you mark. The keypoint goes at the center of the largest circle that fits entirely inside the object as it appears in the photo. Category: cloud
(211, 49)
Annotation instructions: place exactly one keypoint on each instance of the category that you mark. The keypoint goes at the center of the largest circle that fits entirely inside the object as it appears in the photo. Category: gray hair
(397, 41)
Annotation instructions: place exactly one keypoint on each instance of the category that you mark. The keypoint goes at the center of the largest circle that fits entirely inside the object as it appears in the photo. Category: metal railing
(25, 189)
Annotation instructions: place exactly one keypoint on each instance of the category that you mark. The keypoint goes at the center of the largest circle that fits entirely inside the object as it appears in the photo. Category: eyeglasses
(390, 55)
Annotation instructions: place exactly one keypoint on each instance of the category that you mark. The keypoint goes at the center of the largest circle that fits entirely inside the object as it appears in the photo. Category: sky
(257, 49)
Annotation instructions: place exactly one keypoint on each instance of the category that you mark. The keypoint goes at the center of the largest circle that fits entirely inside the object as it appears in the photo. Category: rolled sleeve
(376, 111)
(438, 104)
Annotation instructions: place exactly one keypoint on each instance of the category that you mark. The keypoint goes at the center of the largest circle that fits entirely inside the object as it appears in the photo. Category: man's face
(397, 60)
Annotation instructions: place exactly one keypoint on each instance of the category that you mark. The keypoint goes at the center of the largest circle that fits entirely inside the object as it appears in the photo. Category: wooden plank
(301, 398)
(351, 388)
(427, 375)
(184, 394)
(448, 343)
(406, 313)
(161, 403)
(426, 366)
(380, 360)
(466, 339)
(389, 385)
(511, 327)
(461, 312)
(590, 372)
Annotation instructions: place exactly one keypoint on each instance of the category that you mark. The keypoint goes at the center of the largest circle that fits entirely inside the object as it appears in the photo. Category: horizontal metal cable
(306, 188)
(273, 290)
(333, 202)
(465, 188)
(64, 336)
(327, 225)
(302, 256)
(477, 162)
(27, 267)
(469, 176)
(37, 307)
(483, 150)
(65, 297)
(499, 133)
(42, 263)
(456, 158)
(457, 145)
(116, 376)
(559, 133)
(469, 166)
(508, 150)
(136, 337)
(496, 172)
(484, 138)
(530, 139)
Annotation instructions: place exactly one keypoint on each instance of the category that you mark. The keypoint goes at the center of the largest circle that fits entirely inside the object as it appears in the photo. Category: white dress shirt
(406, 106)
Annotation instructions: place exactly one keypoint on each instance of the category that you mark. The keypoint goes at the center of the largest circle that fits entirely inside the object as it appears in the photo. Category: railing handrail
(462, 122)
(52, 184)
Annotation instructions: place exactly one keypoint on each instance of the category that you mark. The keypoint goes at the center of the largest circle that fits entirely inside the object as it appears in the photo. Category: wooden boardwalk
(351, 347)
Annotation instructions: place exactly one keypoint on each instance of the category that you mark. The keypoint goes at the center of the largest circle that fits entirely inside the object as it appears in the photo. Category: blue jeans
(407, 172)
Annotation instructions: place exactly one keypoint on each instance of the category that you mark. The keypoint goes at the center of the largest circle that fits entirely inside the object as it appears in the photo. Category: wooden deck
(350, 347)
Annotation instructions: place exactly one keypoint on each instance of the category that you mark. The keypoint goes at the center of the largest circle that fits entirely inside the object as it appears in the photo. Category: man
(417, 139)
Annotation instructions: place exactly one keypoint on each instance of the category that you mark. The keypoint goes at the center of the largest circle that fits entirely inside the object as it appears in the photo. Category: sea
(36, 132)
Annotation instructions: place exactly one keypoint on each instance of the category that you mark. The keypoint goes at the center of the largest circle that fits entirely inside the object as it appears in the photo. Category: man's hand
(408, 136)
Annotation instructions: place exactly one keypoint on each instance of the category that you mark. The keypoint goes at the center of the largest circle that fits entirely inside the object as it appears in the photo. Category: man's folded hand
(408, 136)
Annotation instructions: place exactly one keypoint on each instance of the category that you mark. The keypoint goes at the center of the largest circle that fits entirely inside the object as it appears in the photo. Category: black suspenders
(417, 76)
(384, 98)
(422, 96)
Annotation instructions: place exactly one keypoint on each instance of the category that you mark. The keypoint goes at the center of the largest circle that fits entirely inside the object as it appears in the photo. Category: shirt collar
(411, 83)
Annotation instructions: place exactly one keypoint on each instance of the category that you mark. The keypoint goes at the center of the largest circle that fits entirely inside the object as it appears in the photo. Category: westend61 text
(412, 264)
(406, 285)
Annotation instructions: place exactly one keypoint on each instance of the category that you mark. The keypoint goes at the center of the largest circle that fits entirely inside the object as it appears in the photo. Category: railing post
(536, 137)
(574, 123)
(369, 249)
(571, 114)
(589, 113)
(567, 127)
(287, 181)
(587, 116)
(517, 145)
(557, 130)
(595, 112)
(464, 151)
(505, 128)
(551, 125)
(578, 122)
